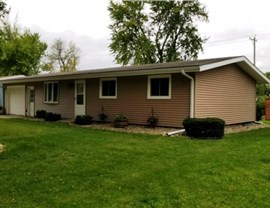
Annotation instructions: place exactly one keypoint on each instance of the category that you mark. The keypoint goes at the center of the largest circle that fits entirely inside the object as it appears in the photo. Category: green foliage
(53, 116)
(120, 121)
(48, 116)
(263, 92)
(20, 50)
(58, 165)
(260, 107)
(62, 57)
(155, 31)
(103, 116)
(3, 9)
(263, 89)
(204, 127)
(83, 120)
(121, 117)
(41, 114)
(152, 119)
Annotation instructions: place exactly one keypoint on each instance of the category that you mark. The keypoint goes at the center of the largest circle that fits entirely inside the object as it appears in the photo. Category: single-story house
(219, 87)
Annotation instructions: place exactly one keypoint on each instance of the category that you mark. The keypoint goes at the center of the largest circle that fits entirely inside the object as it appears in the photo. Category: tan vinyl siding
(226, 92)
(132, 101)
(65, 106)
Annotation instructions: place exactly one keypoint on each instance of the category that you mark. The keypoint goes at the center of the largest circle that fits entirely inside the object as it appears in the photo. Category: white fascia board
(253, 71)
(221, 63)
(11, 77)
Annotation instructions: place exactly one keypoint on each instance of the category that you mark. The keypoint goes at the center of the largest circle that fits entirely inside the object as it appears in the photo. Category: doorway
(31, 101)
(79, 97)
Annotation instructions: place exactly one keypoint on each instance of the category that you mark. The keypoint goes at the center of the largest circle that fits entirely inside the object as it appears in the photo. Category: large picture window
(108, 88)
(51, 92)
(159, 87)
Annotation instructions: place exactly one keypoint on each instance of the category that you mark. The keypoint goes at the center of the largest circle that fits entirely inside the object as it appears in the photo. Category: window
(159, 87)
(51, 90)
(80, 93)
(108, 88)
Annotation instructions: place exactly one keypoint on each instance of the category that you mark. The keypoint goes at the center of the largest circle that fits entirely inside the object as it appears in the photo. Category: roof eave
(88, 74)
(245, 64)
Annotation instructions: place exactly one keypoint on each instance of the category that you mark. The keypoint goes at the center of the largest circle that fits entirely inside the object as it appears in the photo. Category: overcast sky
(85, 22)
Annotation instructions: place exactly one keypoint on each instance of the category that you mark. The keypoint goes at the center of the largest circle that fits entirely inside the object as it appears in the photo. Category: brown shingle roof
(171, 67)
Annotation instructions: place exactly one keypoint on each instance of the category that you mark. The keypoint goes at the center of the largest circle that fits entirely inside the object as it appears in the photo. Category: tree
(155, 31)
(263, 92)
(20, 50)
(3, 9)
(263, 89)
(62, 57)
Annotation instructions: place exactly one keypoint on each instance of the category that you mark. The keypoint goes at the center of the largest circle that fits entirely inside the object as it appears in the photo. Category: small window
(159, 87)
(80, 93)
(108, 88)
(51, 90)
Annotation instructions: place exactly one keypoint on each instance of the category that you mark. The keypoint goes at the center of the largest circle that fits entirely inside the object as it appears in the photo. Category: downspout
(192, 93)
(192, 97)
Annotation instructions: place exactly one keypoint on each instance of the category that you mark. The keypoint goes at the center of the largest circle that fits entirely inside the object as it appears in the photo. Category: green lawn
(266, 122)
(57, 165)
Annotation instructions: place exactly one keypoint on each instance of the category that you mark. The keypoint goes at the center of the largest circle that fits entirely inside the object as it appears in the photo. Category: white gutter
(192, 93)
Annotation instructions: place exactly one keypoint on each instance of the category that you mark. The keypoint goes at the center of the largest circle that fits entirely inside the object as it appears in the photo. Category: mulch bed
(164, 130)
(159, 130)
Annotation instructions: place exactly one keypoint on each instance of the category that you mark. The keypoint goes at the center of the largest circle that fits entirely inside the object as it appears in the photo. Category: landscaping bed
(165, 130)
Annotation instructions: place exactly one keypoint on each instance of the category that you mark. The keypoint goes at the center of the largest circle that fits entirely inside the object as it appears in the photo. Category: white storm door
(31, 101)
(79, 97)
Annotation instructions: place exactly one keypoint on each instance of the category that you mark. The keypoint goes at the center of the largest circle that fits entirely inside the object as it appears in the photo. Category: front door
(79, 97)
(31, 101)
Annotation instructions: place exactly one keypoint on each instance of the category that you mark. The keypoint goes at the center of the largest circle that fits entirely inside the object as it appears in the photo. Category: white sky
(85, 22)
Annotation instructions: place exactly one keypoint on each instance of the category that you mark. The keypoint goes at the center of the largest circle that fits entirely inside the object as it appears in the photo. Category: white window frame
(149, 86)
(100, 88)
(52, 95)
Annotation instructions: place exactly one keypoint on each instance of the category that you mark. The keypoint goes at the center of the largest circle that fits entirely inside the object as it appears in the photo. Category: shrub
(204, 127)
(120, 121)
(260, 107)
(152, 121)
(41, 114)
(121, 118)
(102, 115)
(53, 116)
(83, 120)
(259, 112)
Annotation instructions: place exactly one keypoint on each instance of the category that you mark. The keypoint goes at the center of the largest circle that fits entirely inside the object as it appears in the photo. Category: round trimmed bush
(204, 127)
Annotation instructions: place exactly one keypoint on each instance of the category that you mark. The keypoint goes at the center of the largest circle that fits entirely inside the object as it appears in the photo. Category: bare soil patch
(133, 128)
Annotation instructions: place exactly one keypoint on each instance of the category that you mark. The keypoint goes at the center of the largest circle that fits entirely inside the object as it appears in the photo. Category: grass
(266, 122)
(56, 165)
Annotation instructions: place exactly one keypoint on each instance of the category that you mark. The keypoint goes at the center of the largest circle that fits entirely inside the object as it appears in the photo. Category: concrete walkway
(11, 116)
(32, 118)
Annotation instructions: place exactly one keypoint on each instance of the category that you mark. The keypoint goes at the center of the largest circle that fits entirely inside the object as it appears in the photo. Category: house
(219, 87)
